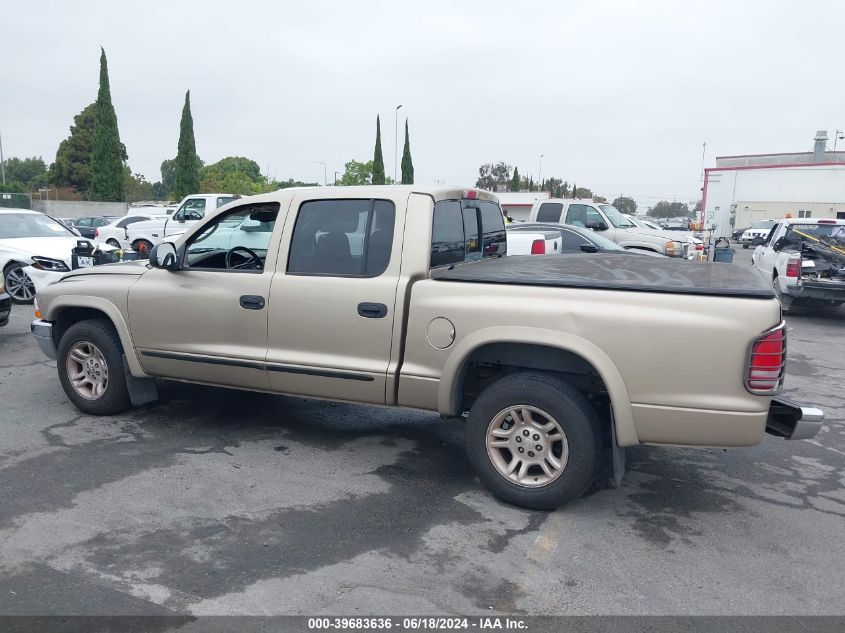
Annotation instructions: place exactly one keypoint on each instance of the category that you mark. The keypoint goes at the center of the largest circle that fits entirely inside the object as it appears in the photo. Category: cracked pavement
(223, 502)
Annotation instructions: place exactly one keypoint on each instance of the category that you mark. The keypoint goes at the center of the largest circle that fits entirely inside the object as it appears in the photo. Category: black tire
(16, 269)
(113, 242)
(100, 333)
(569, 408)
(786, 300)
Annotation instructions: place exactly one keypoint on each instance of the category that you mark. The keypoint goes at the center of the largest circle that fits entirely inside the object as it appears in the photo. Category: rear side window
(572, 241)
(466, 230)
(124, 223)
(225, 200)
(345, 238)
(550, 212)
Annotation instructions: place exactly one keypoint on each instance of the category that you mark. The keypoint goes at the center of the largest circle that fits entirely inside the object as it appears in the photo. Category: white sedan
(34, 245)
(116, 234)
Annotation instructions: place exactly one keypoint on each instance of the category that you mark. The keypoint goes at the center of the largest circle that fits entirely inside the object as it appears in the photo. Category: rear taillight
(793, 267)
(766, 362)
(699, 247)
(96, 232)
(538, 247)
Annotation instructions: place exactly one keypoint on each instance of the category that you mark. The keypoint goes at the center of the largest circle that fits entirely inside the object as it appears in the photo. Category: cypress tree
(107, 152)
(515, 180)
(187, 177)
(378, 161)
(407, 163)
(574, 190)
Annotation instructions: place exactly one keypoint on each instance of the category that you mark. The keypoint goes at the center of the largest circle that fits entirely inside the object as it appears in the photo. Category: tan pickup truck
(402, 296)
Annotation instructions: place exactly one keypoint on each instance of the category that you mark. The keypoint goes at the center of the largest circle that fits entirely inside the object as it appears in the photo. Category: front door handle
(372, 310)
(252, 302)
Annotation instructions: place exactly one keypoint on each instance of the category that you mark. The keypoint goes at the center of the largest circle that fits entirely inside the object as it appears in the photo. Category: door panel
(318, 342)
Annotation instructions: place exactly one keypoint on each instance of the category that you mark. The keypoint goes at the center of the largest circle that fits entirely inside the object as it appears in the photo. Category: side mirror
(757, 241)
(164, 256)
(589, 248)
(597, 226)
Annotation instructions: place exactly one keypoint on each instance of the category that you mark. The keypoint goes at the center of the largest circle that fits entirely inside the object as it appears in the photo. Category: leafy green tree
(108, 154)
(582, 193)
(407, 163)
(564, 190)
(31, 173)
(626, 204)
(290, 182)
(136, 186)
(574, 190)
(378, 161)
(187, 178)
(665, 209)
(491, 176)
(696, 210)
(357, 173)
(514, 186)
(531, 185)
(168, 176)
(598, 198)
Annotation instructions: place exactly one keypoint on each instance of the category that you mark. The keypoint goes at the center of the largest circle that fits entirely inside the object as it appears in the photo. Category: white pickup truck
(610, 222)
(805, 261)
(142, 236)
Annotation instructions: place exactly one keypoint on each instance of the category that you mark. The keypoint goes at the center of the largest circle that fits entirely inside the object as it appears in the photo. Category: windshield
(763, 224)
(616, 217)
(14, 225)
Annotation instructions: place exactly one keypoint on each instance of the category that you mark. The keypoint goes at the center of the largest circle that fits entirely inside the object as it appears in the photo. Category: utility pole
(325, 177)
(335, 178)
(395, 140)
(2, 162)
(703, 150)
(540, 171)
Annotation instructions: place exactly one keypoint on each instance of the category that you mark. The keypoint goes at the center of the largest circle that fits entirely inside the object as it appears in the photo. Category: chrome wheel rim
(19, 285)
(87, 370)
(527, 446)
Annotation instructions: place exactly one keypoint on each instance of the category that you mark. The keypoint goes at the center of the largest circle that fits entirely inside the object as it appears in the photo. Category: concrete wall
(775, 191)
(79, 208)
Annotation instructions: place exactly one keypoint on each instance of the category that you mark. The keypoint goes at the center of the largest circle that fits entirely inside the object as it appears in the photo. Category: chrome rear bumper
(43, 333)
(793, 421)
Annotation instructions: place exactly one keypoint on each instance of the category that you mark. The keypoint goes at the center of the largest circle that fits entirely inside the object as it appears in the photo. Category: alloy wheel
(87, 370)
(19, 285)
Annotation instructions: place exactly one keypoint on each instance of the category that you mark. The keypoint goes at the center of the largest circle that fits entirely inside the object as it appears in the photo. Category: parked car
(758, 229)
(5, 304)
(805, 261)
(737, 233)
(116, 232)
(606, 219)
(32, 238)
(696, 245)
(142, 236)
(535, 240)
(365, 294)
(87, 226)
(574, 239)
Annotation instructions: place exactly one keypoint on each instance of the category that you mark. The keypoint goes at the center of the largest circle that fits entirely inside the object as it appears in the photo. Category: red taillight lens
(766, 362)
(538, 247)
(96, 232)
(471, 194)
(793, 268)
(699, 247)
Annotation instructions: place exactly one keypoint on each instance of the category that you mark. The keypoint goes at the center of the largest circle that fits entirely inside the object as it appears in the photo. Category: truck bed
(614, 271)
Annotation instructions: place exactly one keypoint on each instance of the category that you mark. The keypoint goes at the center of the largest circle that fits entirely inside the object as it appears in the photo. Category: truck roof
(789, 221)
(439, 192)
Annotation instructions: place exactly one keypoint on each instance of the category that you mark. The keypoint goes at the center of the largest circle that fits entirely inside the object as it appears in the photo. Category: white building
(743, 189)
(517, 204)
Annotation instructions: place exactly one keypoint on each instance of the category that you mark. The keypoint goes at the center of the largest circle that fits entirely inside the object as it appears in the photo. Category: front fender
(447, 394)
(60, 303)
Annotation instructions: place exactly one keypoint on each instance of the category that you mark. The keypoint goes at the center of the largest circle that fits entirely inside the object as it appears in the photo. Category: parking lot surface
(215, 501)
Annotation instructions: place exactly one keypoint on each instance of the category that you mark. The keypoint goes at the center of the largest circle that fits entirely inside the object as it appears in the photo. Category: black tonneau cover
(614, 271)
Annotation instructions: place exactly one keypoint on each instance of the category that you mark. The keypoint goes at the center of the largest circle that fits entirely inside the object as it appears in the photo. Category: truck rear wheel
(533, 440)
(785, 299)
(90, 365)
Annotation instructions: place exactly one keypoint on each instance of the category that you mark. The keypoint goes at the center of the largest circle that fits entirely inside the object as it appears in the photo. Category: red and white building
(740, 190)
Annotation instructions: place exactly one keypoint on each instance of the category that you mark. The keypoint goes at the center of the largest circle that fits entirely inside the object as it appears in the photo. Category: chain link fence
(15, 200)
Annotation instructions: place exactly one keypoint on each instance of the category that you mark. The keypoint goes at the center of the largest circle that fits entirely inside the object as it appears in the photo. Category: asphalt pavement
(214, 501)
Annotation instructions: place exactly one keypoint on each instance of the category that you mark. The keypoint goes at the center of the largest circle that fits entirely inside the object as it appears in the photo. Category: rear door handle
(252, 302)
(372, 310)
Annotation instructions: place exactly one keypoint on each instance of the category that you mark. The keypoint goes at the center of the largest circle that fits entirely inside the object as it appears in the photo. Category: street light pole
(335, 178)
(325, 180)
(2, 162)
(395, 140)
(836, 137)
(540, 172)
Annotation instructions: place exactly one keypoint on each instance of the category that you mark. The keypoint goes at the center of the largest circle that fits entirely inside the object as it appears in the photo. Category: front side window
(572, 242)
(225, 200)
(583, 215)
(82, 222)
(193, 209)
(466, 230)
(237, 240)
(124, 223)
(345, 238)
(550, 212)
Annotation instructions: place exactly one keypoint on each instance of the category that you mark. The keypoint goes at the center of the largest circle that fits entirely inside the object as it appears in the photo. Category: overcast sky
(618, 96)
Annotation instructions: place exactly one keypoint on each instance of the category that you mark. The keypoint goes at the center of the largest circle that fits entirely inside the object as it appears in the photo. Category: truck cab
(610, 222)
(142, 236)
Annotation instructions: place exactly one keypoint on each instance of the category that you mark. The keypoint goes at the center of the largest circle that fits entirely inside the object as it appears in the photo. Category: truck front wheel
(533, 440)
(90, 365)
